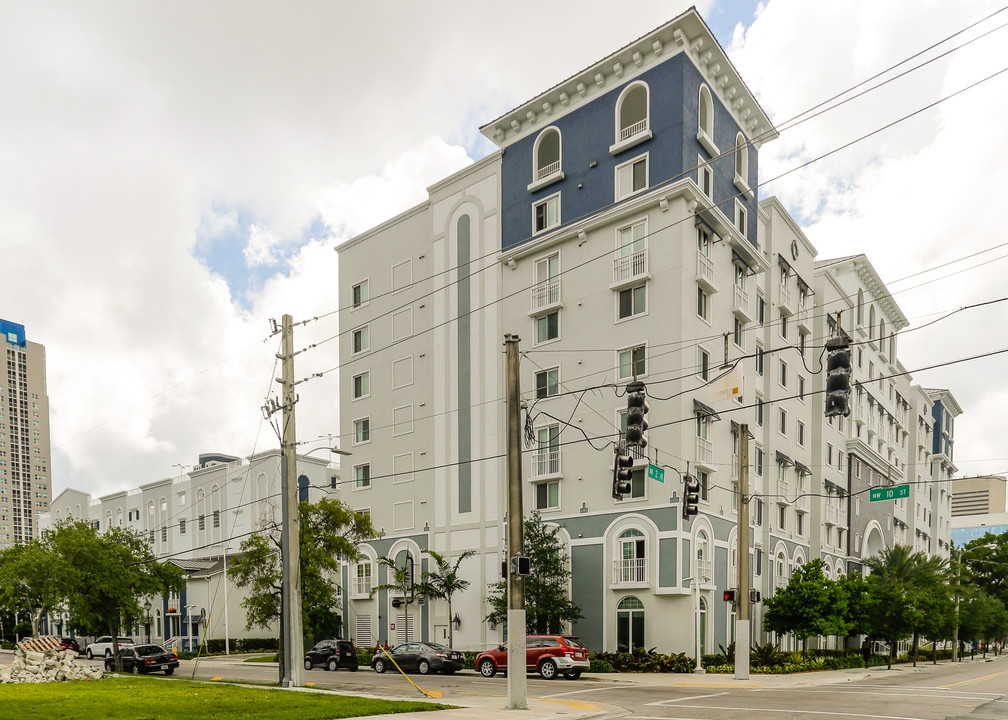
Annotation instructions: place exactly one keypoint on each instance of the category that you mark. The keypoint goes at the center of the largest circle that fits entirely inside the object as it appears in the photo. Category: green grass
(145, 698)
(263, 658)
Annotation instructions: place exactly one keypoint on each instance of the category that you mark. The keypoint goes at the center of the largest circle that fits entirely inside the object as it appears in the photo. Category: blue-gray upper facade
(588, 164)
(942, 440)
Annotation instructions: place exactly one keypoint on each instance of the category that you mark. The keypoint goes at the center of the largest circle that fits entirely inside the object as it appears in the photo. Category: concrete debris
(48, 666)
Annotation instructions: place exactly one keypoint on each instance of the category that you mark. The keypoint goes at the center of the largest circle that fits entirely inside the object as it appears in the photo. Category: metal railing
(783, 491)
(631, 130)
(547, 170)
(633, 570)
(546, 464)
(785, 297)
(704, 451)
(705, 268)
(362, 585)
(630, 267)
(704, 570)
(741, 300)
(546, 294)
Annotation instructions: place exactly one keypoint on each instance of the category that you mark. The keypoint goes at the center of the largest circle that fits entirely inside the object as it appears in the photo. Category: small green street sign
(655, 473)
(889, 493)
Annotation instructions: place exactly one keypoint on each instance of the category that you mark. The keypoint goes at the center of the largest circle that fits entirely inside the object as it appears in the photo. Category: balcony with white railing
(546, 170)
(705, 272)
(704, 452)
(786, 299)
(860, 413)
(633, 571)
(630, 268)
(546, 295)
(832, 514)
(805, 317)
(545, 464)
(741, 305)
(631, 131)
(362, 585)
(704, 571)
(783, 492)
(802, 502)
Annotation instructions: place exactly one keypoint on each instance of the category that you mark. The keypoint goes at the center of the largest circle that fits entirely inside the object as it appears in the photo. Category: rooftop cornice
(686, 33)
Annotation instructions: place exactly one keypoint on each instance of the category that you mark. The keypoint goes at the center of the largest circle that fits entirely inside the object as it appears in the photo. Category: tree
(27, 581)
(810, 605)
(105, 575)
(330, 532)
(855, 590)
(548, 606)
(985, 564)
(402, 583)
(443, 582)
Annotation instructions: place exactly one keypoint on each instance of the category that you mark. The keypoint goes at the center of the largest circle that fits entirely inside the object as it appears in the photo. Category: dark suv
(332, 655)
(548, 655)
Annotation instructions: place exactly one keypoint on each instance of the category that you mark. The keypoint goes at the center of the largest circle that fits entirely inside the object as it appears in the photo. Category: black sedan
(144, 659)
(332, 655)
(421, 657)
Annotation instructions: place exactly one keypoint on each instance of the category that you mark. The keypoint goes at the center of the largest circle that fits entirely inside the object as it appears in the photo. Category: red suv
(547, 655)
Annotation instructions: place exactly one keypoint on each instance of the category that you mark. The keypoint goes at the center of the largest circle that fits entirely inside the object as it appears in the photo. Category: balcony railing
(545, 464)
(805, 316)
(704, 451)
(630, 267)
(832, 515)
(704, 571)
(546, 294)
(860, 413)
(802, 502)
(547, 170)
(362, 585)
(741, 301)
(705, 269)
(783, 492)
(631, 130)
(630, 571)
(785, 299)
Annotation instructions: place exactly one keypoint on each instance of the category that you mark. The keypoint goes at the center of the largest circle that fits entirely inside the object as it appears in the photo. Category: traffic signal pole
(742, 545)
(517, 682)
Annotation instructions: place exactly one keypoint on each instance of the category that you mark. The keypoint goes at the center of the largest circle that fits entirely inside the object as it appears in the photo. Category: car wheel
(332, 665)
(108, 653)
(136, 670)
(307, 665)
(90, 655)
(353, 669)
(379, 666)
(573, 675)
(169, 671)
(548, 669)
(423, 667)
(487, 668)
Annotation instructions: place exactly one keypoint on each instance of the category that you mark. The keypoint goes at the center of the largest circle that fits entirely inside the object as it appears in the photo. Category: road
(974, 690)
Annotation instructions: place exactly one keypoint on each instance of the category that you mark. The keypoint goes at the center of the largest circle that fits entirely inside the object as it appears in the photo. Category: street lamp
(147, 619)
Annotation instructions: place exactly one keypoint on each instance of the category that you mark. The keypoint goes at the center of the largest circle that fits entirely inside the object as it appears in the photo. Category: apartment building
(25, 476)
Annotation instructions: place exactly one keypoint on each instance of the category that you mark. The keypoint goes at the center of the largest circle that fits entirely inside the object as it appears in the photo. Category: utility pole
(955, 630)
(517, 682)
(742, 549)
(293, 645)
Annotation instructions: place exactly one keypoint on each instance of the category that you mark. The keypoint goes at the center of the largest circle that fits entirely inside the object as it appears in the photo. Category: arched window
(703, 626)
(860, 307)
(780, 570)
(546, 154)
(881, 334)
(871, 322)
(741, 159)
(157, 625)
(629, 625)
(892, 346)
(704, 569)
(119, 515)
(705, 114)
(632, 563)
(632, 113)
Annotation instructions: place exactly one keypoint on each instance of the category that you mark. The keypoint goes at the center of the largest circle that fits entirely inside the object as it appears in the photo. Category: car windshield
(147, 650)
(400, 648)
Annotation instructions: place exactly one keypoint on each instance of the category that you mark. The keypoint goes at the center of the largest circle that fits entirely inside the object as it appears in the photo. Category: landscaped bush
(641, 661)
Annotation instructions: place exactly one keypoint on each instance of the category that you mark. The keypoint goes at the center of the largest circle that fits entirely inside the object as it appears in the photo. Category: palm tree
(401, 583)
(444, 581)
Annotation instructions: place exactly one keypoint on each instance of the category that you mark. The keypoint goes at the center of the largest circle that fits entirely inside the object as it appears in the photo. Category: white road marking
(691, 697)
(578, 692)
(802, 712)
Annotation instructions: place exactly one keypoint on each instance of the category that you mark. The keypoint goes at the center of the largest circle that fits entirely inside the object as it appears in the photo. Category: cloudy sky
(174, 174)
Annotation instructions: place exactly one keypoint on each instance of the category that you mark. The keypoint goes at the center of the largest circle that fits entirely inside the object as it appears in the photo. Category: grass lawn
(262, 658)
(146, 698)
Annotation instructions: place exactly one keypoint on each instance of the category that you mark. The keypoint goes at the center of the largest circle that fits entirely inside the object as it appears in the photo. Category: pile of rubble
(44, 660)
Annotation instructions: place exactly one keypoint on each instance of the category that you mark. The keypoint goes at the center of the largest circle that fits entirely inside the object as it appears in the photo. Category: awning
(802, 468)
(784, 261)
(735, 430)
(700, 409)
(834, 487)
(781, 457)
(739, 258)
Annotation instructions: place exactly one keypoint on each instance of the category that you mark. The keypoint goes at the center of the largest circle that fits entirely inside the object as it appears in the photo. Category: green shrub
(599, 665)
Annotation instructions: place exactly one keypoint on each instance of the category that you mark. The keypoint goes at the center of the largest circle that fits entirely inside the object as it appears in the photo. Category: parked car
(139, 659)
(103, 646)
(422, 657)
(548, 655)
(332, 655)
(69, 644)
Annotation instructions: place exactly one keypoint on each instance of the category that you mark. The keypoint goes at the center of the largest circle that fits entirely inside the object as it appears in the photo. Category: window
(705, 114)
(360, 294)
(759, 360)
(548, 495)
(361, 340)
(782, 421)
(741, 218)
(782, 376)
(547, 281)
(362, 431)
(546, 460)
(703, 304)
(737, 332)
(629, 625)
(362, 476)
(627, 360)
(546, 214)
(547, 155)
(548, 327)
(201, 522)
(782, 321)
(801, 388)
(829, 454)
(632, 113)
(164, 534)
(703, 241)
(547, 382)
(705, 177)
(741, 159)
(782, 518)
(632, 557)
(631, 302)
(800, 430)
(216, 518)
(703, 363)
(759, 410)
(632, 177)
(760, 459)
(181, 527)
(760, 309)
(362, 578)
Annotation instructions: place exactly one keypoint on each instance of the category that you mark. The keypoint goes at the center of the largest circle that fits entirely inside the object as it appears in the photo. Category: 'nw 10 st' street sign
(889, 493)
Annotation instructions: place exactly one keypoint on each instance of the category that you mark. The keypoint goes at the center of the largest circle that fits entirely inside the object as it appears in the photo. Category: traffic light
(729, 595)
(622, 474)
(636, 421)
(838, 377)
(691, 496)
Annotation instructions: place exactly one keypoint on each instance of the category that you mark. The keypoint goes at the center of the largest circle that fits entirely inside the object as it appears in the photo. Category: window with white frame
(705, 177)
(631, 301)
(632, 556)
(362, 476)
(546, 214)
(737, 332)
(705, 113)
(782, 421)
(632, 177)
(362, 385)
(759, 410)
(626, 359)
(801, 388)
(361, 340)
(632, 113)
(547, 327)
(703, 304)
(362, 431)
(703, 363)
(547, 154)
(800, 431)
(631, 251)
(760, 309)
(547, 495)
(547, 382)
(782, 376)
(361, 294)
(741, 218)
(742, 159)
(362, 578)
(782, 324)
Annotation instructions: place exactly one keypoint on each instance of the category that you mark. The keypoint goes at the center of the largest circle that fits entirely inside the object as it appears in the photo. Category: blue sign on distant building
(12, 332)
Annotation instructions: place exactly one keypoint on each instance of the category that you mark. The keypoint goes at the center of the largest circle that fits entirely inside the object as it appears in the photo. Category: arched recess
(633, 110)
(630, 635)
(634, 557)
(705, 113)
(547, 154)
(874, 540)
(742, 158)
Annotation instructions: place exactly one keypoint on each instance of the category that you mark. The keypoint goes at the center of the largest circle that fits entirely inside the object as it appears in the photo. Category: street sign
(889, 493)
(656, 473)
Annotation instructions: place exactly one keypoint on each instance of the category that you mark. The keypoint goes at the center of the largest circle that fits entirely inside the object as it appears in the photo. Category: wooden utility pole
(517, 682)
(742, 550)
(290, 541)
